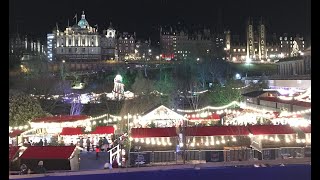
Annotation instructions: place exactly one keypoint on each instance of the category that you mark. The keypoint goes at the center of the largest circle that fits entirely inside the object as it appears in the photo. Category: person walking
(100, 142)
(45, 142)
(88, 144)
(81, 142)
(40, 142)
(93, 143)
(105, 144)
(97, 152)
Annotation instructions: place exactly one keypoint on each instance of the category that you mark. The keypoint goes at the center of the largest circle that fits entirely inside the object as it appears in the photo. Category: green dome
(83, 23)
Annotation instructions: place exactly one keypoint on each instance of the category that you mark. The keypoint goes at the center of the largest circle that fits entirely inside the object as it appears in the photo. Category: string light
(233, 103)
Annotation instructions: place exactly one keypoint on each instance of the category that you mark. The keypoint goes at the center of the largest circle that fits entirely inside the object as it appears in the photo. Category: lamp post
(62, 69)
(248, 62)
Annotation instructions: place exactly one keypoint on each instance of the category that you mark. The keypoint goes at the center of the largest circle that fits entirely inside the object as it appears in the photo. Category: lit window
(255, 49)
(271, 49)
(243, 50)
(234, 50)
(238, 50)
(281, 46)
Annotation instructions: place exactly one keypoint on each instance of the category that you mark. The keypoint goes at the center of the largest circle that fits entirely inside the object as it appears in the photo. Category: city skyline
(142, 17)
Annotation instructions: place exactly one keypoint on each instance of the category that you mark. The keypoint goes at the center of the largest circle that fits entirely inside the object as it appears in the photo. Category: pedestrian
(105, 144)
(81, 142)
(100, 142)
(40, 142)
(97, 152)
(45, 142)
(93, 143)
(88, 144)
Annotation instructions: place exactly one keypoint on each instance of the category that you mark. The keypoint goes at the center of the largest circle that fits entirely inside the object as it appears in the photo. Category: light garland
(233, 103)
(153, 141)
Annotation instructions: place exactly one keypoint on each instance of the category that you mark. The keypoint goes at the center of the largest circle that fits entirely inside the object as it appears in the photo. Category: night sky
(39, 17)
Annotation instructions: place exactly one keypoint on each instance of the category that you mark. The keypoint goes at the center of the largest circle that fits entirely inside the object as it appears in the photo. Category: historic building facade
(126, 46)
(81, 42)
(257, 48)
(109, 44)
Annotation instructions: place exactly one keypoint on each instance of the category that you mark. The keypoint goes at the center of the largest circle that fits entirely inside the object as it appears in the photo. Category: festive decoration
(233, 103)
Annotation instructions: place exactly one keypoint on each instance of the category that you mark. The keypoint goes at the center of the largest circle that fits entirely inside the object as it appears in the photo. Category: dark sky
(39, 17)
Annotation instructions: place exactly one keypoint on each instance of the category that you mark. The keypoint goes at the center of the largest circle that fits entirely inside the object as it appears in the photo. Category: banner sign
(140, 159)
(214, 156)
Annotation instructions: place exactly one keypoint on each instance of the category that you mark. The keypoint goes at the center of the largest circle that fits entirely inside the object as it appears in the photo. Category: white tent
(162, 117)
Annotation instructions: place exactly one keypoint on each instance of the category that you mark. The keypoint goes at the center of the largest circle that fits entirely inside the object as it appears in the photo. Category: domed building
(79, 42)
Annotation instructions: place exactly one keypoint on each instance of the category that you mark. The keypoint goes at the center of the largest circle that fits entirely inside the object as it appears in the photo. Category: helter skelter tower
(118, 89)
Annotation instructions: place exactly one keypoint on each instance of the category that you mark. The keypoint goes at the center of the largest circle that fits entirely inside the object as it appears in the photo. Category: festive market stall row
(60, 130)
(219, 137)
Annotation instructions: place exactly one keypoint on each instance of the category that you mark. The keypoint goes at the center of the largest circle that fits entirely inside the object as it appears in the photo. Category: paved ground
(88, 161)
(169, 167)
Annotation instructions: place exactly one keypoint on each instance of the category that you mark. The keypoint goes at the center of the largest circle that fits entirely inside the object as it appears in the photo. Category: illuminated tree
(23, 108)
(222, 95)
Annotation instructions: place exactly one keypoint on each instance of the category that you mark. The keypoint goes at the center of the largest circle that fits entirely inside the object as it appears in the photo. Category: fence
(286, 152)
(173, 157)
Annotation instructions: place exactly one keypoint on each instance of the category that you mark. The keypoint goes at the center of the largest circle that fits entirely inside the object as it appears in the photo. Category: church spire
(83, 16)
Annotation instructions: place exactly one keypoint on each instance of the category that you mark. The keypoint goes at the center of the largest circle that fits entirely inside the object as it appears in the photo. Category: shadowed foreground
(292, 172)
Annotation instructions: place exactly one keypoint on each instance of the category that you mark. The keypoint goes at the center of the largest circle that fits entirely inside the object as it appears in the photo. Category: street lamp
(248, 62)
(157, 57)
(62, 69)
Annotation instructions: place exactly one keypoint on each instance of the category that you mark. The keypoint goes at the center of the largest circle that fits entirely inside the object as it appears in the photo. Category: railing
(198, 156)
(117, 153)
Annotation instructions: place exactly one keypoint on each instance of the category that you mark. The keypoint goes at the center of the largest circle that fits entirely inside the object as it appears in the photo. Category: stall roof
(162, 113)
(217, 131)
(48, 152)
(70, 131)
(103, 130)
(293, 102)
(15, 133)
(61, 118)
(271, 129)
(153, 132)
(306, 129)
(13, 151)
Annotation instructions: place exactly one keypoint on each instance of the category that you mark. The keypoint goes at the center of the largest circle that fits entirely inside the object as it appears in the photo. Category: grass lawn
(254, 69)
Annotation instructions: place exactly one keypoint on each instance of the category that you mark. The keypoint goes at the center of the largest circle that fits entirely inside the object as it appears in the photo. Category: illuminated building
(258, 46)
(77, 42)
(24, 48)
(180, 44)
(126, 46)
(108, 44)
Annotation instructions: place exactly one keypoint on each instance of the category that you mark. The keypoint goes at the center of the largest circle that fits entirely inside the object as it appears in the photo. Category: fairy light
(218, 142)
(130, 139)
(233, 103)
